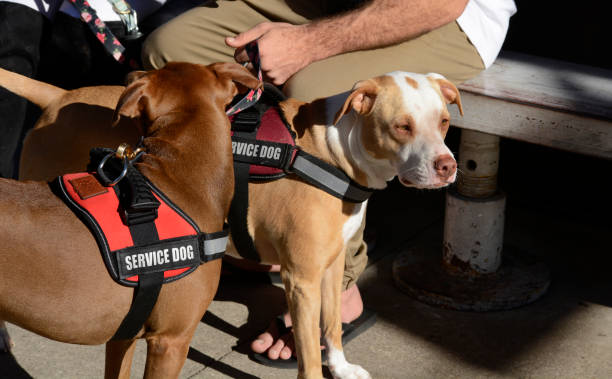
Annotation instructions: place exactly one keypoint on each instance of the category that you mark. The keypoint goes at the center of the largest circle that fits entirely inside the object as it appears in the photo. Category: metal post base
(520, 280)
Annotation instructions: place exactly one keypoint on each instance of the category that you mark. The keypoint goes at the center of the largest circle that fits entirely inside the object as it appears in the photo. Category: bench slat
(534, 124)
(547, 83)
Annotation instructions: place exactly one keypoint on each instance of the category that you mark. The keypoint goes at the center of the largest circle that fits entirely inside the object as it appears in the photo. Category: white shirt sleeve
(485, 22)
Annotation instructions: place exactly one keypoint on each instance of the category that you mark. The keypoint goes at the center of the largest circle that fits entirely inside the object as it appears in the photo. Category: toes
(286, 353)
(262, 343)
(281, 344)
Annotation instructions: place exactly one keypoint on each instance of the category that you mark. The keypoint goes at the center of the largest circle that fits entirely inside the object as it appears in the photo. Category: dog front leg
(331, 324)
(5, 340)
(166, 355)
(303, 293)
(119, 355)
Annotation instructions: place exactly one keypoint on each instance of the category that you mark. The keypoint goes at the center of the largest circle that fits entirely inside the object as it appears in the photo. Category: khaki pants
(198, 36)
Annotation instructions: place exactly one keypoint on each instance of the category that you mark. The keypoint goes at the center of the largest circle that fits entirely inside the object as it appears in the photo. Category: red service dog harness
(144, 238)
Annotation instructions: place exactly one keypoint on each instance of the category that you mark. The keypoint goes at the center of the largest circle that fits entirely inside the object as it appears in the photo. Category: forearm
(379, 23)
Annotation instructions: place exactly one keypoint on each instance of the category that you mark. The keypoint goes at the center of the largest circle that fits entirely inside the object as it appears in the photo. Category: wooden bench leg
(472, 274)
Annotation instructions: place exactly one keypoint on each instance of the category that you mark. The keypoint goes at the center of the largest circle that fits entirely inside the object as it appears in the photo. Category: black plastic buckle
(141, 215)
(246, 121)
(288, 164)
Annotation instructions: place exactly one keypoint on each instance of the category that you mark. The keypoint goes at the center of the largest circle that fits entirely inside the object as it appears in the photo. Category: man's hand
(283, 49)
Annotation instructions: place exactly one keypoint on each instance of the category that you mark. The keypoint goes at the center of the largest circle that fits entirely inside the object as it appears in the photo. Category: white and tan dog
(392, 125)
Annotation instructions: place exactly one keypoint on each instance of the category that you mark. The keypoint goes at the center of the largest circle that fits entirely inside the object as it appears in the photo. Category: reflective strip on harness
(328, 178)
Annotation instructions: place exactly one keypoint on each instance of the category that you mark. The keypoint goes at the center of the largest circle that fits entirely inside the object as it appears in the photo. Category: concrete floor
(565, 334)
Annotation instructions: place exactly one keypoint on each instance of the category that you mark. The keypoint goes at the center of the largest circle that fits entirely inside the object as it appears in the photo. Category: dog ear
(242, 78)
(450, 93)
(132, 102)
(133, 76)
(361, 99)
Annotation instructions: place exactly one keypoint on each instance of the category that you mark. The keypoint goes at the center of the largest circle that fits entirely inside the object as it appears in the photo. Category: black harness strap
(244, 126)
(139, 213)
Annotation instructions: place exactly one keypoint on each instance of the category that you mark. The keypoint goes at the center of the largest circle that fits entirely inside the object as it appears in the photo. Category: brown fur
(50, 264)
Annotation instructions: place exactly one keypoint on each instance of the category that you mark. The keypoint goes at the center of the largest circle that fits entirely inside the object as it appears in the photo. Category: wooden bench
(531, 99)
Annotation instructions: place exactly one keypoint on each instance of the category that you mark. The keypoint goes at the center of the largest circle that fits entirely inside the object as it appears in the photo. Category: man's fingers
(248, 36)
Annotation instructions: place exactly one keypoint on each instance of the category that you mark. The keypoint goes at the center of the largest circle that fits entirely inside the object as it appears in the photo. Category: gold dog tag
(87, 187)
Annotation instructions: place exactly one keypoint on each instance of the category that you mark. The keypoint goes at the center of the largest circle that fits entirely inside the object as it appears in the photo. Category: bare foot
(283, 346)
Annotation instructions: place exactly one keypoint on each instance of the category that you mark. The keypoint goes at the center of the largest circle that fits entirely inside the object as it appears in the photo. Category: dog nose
(445, 166)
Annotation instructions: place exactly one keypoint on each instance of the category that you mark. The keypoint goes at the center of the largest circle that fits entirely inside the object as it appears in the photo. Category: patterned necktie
(101, 31)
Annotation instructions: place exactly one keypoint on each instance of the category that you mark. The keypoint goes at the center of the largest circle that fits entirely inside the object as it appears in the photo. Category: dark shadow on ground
(10, 368)
(216, 365)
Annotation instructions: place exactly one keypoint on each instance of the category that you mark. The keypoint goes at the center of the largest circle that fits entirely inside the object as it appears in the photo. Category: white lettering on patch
(255, 150)
(159, 257)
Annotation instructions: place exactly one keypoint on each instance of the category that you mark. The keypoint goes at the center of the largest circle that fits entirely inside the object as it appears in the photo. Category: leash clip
(125, 151)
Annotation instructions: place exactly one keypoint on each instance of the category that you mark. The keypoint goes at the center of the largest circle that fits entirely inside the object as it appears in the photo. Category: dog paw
(350, 371)
(5, 340)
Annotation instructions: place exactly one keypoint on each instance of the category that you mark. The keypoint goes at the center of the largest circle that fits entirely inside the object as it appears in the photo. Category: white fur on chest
(351, 226)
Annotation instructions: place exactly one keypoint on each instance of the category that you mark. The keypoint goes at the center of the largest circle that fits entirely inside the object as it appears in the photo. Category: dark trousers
(20, 34)
(63, 52)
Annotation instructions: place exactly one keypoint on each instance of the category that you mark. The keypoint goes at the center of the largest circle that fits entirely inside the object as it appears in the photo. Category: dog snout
(445, 166)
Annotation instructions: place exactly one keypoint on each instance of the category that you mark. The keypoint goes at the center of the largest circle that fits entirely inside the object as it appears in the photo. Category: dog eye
(404, 128)
(444, 125)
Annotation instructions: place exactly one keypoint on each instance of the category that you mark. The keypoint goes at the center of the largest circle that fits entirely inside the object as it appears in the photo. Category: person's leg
(198, 35)
(73, 57)
(20, 35)
(445, 51)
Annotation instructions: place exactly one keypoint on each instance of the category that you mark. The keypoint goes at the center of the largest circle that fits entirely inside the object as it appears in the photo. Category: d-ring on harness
(126, 155)
(144, 238)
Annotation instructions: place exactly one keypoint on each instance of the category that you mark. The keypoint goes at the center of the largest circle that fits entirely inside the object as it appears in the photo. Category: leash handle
(253, 96)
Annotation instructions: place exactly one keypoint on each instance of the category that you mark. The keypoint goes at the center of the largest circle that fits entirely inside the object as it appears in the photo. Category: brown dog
(52, 278)
(393, 125)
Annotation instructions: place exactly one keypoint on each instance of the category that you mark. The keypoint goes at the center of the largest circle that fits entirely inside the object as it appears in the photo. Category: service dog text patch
(172, 254)
(263, 153)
